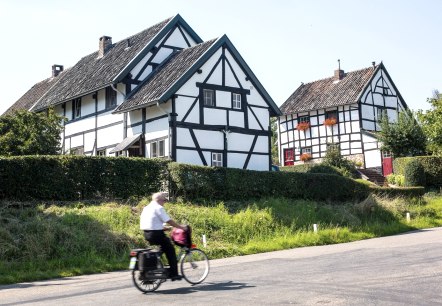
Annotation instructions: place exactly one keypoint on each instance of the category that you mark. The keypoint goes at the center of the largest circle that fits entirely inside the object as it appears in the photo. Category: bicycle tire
(145, 286)
(194, 266)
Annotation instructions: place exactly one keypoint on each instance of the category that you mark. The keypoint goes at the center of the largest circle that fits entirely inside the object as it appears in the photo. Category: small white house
(341, 110)
(162, 93)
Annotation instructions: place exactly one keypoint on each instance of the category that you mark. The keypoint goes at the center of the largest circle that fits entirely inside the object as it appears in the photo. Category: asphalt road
(397, 270)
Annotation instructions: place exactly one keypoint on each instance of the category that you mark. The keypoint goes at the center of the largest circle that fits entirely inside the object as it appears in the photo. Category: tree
(431, 122)
(403, 137)
(28, 133)
(274, 140)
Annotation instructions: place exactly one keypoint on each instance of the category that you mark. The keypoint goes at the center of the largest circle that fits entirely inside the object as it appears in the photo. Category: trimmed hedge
(432, 168)
(407, 192)
(79, 177)
(196, 182)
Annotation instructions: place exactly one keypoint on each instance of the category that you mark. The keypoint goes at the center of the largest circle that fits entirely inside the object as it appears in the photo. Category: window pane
(161, 144)
(153, 149)
(209, 97)
(236, 101)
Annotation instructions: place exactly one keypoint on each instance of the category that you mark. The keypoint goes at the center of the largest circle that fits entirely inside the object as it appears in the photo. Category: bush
(414, 174)
(320, 168)
(406, 192)
(432, 168)
(69, 177)
(396, 179)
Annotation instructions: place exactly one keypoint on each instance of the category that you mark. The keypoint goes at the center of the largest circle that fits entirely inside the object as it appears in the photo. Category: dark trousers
(159, 238)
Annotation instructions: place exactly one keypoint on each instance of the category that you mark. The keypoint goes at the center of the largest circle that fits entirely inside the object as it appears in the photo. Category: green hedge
(196, 182)
(79, 177)
(432, 168)
(408, 192)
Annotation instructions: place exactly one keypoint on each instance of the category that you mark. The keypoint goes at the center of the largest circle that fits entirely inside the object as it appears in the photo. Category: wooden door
(387, 163)
(288, 157)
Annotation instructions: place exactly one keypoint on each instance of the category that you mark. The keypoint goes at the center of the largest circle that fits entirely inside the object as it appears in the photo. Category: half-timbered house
(342, 110)
(163, 93)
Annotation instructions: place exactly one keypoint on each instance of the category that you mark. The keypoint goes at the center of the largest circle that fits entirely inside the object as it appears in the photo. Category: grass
(50, 241)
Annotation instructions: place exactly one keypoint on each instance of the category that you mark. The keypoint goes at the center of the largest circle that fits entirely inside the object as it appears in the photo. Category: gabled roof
(32, 95)
(92, 73)
(177, 70)
(329, 92)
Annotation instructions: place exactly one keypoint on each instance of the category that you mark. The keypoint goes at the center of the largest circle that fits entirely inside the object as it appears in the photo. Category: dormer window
(76, 108)
(236, 101)
(209, 97)
(111, 98)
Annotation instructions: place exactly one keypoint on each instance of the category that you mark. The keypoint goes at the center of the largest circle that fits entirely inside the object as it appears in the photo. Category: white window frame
(307, 150)
(303, 119)
(209, 100)
(101, 152)
(158, 148)
(236, 100)
(217, 159)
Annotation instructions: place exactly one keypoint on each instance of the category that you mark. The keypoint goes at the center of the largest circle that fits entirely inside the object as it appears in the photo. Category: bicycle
(149, 270)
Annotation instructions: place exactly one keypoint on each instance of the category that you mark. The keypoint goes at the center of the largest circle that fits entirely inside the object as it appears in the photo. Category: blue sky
(284, 42)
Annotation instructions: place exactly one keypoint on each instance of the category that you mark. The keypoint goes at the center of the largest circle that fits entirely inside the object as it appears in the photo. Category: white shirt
(153, 217)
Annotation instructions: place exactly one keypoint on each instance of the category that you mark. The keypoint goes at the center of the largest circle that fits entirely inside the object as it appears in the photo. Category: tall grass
(56, 241)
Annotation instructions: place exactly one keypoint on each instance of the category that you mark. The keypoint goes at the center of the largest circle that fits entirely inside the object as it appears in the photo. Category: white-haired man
(152, 222)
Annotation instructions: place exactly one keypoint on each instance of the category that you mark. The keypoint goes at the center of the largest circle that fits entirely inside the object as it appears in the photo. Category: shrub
(432, 168)
(320, 168)
(414, 174)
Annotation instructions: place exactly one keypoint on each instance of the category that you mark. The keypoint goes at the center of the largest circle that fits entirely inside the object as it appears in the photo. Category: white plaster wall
(161, 55)
(263, 117)
(373, 159)
(238, 71)
(391, 102)
(77, 141)
(378, 99)
(89, 141)
(108, 118)
(223, 99)
(236, 118)
(79, 126)
(236, 160)
(262, 144)
(239, 142)
(189, 157)
(392, 115)
(258, 162)
(110, 135)
(176, 39)
(140, 64)
(134, 117)
(183, 104)
(210, 139)
(284, 137)
(101, 99)
(87, 105)
(355, 126)
(213, 116)
(184, 139)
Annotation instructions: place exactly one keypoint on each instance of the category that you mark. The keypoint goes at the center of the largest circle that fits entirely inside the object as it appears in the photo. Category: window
(306, 150)
(76, 108)
(157, 148)
(111, 97)
(217, 159)
(101, 152)
(236, 101)
(303, 119)
(209, 97)
(331, 114)
(380, 112)
(77, 151)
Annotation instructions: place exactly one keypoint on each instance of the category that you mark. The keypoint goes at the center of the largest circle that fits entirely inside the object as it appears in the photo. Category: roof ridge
(349, 72)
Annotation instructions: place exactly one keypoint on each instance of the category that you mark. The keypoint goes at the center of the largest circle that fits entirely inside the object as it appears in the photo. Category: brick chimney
(339, 74)
(104, 45)
(56, 69)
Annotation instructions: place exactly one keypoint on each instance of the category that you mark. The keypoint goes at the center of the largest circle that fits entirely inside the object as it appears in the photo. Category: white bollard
(204, 241)
(408, 217)
(315, 228)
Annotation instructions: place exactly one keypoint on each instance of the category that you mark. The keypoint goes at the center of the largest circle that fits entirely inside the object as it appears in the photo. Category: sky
(284, 42)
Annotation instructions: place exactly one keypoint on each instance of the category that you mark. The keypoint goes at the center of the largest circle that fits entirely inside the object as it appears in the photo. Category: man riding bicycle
(152, 219)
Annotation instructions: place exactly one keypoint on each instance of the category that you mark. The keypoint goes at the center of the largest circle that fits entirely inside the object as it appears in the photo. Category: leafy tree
(431, 121)
(274, 140)
(403, 137)
(28, 133)
(333, 158)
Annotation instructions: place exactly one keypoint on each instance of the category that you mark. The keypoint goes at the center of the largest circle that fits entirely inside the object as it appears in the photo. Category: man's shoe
(176, 277)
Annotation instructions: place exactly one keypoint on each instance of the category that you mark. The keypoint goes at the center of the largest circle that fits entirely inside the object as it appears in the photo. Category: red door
(288, 157)
(387, 163)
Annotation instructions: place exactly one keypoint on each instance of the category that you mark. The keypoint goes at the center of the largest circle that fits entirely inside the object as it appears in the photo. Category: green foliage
(432, 168)
(28, 133)
(333, 158)
(414, 173)
(431, 122)
(274, 140)
(79, 177)
(404, 192)
(403, 137)
(47, 241)
(196, 182)
(396, 179)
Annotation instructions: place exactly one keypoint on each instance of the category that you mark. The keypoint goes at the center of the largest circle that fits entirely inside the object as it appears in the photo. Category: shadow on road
(230, 285)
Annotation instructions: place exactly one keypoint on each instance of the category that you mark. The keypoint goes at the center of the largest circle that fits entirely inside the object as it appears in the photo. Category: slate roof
(92, 73)
(32, 95)
(328, 93)
(155, 86)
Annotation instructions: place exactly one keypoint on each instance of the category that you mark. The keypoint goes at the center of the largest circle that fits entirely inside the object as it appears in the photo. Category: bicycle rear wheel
(143, 284)
(195, 266)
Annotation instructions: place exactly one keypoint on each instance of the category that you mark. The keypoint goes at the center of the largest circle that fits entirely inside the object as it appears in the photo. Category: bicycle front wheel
(195, 266)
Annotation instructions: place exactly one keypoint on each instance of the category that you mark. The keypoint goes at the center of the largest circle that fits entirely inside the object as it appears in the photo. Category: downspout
(168, 133)
(124, 114)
